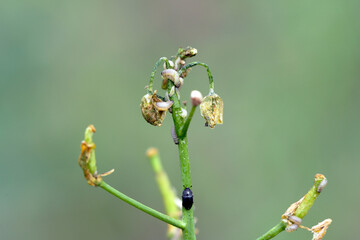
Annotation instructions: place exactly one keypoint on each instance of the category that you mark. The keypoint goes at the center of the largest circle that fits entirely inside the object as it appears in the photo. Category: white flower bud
(196, 98)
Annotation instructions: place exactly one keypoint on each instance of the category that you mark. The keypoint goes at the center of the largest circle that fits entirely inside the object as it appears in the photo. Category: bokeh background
(288, 72)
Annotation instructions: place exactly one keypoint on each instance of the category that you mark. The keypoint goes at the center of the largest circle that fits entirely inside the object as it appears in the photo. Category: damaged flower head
(87, 159)
(211, 110)
(154, 109)
(319, 230)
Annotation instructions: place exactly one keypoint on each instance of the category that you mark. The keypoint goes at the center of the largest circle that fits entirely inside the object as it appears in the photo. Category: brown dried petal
(83, 161)
(319, 230)
(291, 210)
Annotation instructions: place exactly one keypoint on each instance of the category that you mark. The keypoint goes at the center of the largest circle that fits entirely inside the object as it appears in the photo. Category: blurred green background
(288, 72)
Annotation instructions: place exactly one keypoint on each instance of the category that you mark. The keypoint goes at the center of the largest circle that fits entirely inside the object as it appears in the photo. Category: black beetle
(187, 198)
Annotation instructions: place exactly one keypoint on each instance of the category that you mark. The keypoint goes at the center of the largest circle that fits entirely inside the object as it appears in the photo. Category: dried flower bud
(319, 176)
(87, 162)
(291, 210)
(151, 152)
(196, 98)
(319, 230)
(87, 159)
(211, 110)
(154, 109)
(187, 52)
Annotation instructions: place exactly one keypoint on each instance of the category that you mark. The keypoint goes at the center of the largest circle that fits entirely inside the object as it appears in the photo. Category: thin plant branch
(185, 127)
(298, 209)
(187, 215)
(142, 207)
(167, 193)
(152, 76)
(192, 64)
(87, 162)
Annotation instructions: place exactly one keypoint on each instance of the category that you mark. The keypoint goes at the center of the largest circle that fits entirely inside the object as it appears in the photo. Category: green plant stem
(274, 231)
(185, 127)
(166, 191)
(192, 64)
(142, 207)
(187, 215)
(301, 210)
(308, 200)
(157, 64)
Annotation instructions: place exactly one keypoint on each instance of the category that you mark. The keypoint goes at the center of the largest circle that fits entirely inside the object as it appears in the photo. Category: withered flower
(291, 210)
(87, 159)
(154, 109)
(187, 52)
(211, 110)
(319, 230)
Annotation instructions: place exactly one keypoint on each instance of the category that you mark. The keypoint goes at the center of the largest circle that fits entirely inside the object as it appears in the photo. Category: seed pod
(172, 75)
(154, 109)
(322, 185)
(291, 228)
(211, 110)
(174, 135)
(187, 198)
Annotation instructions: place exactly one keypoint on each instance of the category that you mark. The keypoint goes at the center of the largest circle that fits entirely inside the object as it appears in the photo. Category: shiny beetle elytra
(187, 198)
